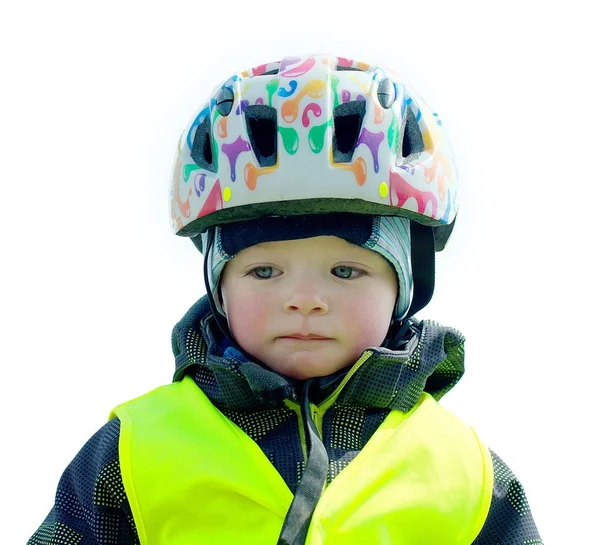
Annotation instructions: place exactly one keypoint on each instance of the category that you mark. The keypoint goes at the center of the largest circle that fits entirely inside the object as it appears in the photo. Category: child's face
(321, 286)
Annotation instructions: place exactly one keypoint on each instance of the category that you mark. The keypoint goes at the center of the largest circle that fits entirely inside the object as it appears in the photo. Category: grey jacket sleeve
(90, 506)
(509, 521)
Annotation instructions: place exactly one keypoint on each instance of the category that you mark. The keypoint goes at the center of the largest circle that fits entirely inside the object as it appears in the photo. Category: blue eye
(345, 272)
(262, 272)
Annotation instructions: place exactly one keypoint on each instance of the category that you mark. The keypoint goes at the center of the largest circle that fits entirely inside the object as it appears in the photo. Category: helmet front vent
(412, 144)
(202, 147)
(268, 73)
(347, 122)
(261, 121)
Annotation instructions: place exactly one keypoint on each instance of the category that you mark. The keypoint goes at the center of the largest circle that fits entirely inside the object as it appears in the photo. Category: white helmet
(313, 135)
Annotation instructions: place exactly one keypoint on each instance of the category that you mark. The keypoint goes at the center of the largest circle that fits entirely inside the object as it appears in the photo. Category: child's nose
(307, 301)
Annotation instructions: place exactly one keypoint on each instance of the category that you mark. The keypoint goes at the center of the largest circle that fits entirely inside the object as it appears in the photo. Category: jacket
(92, 504)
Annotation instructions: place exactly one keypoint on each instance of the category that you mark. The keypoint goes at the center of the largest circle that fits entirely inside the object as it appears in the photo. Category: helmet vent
(202, 147)
(347, 122)
(341, 68)
(261, 121)
(268, 73)
(412, 139)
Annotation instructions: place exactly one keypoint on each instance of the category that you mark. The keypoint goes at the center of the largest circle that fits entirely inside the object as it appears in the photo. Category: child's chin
(304, 365)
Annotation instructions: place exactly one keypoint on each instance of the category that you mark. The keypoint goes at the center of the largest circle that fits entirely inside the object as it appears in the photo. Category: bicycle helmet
(317, 134)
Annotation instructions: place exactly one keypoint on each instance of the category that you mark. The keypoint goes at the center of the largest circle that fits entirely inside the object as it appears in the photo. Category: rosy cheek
(248, 319)
(368, 324)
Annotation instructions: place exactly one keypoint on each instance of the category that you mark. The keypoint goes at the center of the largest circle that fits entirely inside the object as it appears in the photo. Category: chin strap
(399, 334)
(219, 318)
(422, 254)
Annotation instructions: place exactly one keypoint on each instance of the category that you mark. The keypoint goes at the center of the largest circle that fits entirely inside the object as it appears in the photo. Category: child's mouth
(306, 337)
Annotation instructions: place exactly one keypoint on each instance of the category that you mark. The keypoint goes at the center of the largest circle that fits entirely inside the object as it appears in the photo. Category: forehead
(317, 246)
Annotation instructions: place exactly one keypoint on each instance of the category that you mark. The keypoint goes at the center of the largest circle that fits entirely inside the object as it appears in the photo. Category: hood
(432, 361)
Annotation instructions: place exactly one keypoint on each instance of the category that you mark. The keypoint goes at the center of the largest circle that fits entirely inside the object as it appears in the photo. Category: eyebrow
(353, 253)
(271, 260)
(357, 263)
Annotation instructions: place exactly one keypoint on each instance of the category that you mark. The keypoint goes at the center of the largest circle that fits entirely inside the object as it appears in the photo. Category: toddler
(304, 406)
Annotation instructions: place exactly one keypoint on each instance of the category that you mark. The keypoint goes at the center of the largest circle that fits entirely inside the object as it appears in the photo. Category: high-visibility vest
(193, 477)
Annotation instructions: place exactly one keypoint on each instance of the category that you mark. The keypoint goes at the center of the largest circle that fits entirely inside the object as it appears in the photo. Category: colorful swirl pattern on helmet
(305, 91)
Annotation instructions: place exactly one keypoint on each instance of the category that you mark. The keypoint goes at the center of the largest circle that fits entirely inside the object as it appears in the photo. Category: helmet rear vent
(261, 121)
(202, 147)
(412, 144)
(347, 122)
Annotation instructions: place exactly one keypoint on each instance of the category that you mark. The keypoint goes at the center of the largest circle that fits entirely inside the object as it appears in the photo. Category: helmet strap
(218, 317)
(422, 243)
(423, 266)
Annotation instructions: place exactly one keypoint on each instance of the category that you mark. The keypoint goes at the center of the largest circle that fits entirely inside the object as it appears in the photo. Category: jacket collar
(431, 361)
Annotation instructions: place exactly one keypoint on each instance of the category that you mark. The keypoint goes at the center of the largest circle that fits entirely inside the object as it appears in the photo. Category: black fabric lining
(354, 228)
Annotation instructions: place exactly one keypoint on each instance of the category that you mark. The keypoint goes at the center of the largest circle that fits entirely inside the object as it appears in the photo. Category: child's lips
(309, 337)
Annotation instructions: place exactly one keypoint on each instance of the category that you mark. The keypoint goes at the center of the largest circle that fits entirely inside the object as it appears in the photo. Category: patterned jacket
(91, 506)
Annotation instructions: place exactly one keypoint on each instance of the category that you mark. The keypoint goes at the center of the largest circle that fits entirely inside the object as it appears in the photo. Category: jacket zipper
(318, 411)
(333, 395)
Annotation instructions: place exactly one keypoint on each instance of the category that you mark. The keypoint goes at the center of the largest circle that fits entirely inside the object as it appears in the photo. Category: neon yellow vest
(193, 477)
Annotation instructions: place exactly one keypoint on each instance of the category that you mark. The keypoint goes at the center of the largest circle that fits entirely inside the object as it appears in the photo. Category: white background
(94, 98)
